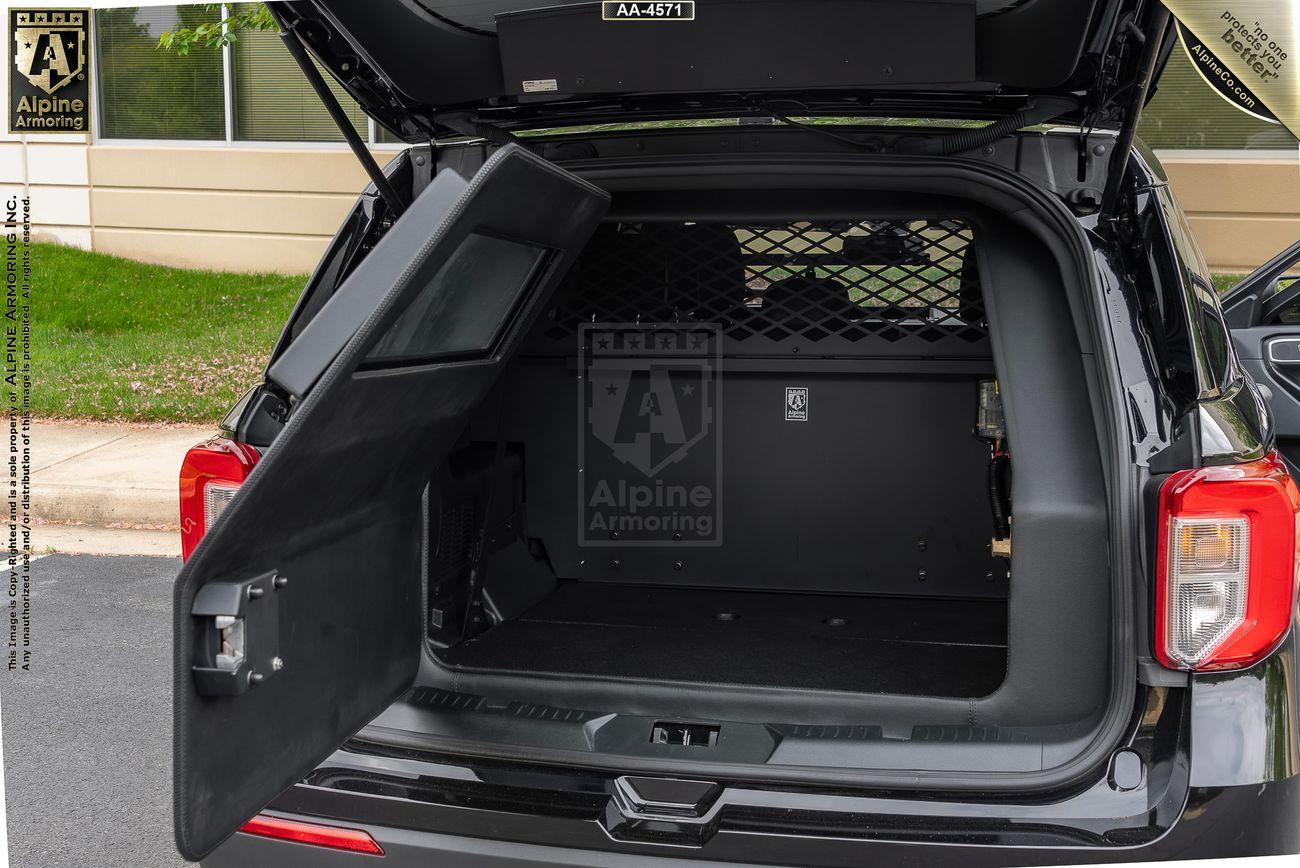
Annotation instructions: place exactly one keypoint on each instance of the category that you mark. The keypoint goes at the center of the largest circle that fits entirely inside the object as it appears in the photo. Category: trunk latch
(685, 734)
(663, 811)
(238, 637)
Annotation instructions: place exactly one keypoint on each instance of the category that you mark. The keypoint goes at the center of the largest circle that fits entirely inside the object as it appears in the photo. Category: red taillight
(1226, 561)
(210, 475)
(354, 840)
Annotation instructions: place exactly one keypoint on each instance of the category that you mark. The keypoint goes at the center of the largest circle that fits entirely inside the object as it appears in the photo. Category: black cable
(999, 499)
(965, 140)
(821, 131)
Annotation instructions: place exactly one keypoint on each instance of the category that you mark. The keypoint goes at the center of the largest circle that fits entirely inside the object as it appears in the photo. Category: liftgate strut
(298, 50)
(1157, 30)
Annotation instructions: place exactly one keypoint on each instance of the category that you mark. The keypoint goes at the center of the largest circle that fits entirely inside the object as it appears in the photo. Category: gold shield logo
(50, 47)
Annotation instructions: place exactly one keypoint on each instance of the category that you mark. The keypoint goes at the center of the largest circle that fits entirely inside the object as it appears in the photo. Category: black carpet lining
(914, 646)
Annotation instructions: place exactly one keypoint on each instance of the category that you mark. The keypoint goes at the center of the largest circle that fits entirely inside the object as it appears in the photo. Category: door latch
(238, 643)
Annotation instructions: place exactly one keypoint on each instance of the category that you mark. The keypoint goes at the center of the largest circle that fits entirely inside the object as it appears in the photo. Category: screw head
(254, 592)
(277, 663)
(280, 582)
(677, 565)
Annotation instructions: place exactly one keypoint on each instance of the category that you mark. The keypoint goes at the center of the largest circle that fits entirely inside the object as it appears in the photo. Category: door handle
(1283, 351)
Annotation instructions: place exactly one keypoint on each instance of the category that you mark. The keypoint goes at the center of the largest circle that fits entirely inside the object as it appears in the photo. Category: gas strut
(293, 41)
(1155, 37)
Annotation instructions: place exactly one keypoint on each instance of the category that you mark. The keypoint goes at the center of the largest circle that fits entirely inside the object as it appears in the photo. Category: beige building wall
(243, 209)
(1244, 210)
(274, 208)
(227, 208)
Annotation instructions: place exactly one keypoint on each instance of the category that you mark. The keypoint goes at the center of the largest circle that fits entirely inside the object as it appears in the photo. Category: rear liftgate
(297, 619)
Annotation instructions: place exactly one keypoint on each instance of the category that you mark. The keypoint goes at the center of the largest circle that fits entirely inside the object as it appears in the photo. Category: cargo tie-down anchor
(240, 645)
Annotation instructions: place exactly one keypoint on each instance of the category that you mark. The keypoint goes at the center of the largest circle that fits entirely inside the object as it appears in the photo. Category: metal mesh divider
(876, 285)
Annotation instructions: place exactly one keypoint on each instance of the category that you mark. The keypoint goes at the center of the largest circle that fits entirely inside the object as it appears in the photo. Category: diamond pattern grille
(821, 286)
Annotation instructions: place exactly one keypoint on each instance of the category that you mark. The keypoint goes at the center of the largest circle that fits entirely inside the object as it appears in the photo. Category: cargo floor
(908, 645)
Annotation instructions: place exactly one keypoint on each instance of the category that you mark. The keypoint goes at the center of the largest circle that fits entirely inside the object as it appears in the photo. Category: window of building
(150, 94)
(1187, 113)
(273, 100)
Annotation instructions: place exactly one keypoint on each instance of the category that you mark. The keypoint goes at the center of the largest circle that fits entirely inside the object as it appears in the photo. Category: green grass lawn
(115, 339)
(1225, 282)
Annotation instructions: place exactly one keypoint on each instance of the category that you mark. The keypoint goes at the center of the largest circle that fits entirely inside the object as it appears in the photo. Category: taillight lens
(354, 840)
(210, 475)
(1226, 557)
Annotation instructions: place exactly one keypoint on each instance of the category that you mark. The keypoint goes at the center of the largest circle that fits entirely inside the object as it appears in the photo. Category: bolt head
(277, 663)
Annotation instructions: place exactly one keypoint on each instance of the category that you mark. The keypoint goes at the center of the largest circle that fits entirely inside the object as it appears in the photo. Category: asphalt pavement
(87, 732)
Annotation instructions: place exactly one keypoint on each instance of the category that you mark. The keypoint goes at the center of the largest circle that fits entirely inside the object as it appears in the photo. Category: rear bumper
(1217, 822)
(1240, 798)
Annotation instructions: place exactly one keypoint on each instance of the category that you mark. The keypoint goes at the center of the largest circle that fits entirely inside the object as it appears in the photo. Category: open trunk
(715, 486)
(781, 519)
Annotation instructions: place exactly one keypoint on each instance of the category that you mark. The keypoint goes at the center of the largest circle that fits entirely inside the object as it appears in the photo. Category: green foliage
(1225, 282)
(217, 32)
(116, 339)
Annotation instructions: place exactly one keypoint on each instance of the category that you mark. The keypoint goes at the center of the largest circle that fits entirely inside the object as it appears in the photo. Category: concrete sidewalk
(109, 475)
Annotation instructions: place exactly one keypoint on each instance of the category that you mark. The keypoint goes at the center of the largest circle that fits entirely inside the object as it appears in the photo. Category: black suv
(636, 480)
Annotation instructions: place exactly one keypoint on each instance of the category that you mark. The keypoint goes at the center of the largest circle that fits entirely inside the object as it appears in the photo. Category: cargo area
(904, 645)
(767, 472)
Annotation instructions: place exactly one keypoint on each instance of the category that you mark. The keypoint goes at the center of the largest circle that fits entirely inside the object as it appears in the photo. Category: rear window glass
(462, 307)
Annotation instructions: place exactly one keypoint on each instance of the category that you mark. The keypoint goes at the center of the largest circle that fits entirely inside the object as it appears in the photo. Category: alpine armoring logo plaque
(649, 444)
(49, 81)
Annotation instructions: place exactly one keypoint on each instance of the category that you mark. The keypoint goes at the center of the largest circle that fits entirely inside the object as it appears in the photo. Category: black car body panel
(422, 806)
(1218, 822)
